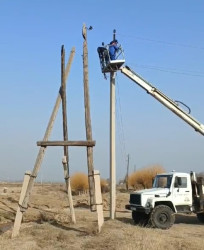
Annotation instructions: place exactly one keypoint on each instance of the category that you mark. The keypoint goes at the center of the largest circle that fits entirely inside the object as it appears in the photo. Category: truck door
(182, 193)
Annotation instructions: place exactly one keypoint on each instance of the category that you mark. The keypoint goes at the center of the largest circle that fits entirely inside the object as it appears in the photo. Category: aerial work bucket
(108, 61)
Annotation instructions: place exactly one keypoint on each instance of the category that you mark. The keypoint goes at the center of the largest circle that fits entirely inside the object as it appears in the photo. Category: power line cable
(170, 70)
(163, 42)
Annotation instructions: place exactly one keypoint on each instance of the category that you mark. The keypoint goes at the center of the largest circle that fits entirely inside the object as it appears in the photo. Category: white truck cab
(171, 193)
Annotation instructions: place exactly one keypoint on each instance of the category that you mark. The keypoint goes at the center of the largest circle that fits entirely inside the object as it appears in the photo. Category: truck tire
(162, 217)
(140, 218)
(201, 217)
(136, 216)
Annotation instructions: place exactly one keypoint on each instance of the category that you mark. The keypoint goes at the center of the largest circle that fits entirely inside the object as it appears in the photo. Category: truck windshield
(162, 181)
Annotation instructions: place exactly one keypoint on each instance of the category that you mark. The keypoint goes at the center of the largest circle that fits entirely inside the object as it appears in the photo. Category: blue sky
(163, 41)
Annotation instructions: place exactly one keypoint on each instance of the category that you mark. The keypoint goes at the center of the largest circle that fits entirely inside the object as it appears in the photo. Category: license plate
(133, 208)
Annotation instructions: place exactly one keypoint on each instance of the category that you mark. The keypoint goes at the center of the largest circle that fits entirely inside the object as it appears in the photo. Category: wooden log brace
(88, 143)
(65, 162)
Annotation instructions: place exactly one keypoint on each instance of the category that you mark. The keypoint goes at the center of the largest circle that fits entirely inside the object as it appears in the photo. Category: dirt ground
(47, 224)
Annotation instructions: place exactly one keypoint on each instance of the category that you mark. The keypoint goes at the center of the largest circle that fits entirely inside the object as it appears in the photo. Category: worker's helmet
(114, 41)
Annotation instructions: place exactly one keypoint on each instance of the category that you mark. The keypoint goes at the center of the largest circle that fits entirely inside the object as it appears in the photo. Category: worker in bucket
(103, 55)
(113, 48)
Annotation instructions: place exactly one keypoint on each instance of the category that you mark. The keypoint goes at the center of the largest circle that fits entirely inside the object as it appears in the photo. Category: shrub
(79, 182)
(143, 178)
(201, 174)
(104, 186)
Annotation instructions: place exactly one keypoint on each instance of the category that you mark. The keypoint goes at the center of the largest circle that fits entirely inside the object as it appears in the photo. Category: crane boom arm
(165, 100)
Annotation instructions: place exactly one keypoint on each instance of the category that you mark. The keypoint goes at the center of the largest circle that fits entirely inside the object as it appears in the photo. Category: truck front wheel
(136, 217)
(140, 218)
(162, 217)
(201, 217)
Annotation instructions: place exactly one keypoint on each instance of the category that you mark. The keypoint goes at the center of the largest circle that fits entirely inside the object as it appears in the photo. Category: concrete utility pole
(112, 144)
(127, 174)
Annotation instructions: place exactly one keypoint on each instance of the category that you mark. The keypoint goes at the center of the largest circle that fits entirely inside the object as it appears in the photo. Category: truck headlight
(149, 203)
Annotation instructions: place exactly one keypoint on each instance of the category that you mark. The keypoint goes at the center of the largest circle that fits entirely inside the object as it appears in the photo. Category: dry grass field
(46, 224)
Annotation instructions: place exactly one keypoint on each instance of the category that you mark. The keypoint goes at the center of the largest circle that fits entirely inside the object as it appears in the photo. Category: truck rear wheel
(162, 217)
(201, 217)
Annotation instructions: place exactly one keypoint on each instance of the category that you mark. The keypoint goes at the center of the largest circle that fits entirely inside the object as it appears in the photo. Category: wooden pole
(65, 161)
(88, 119)
(41, 152)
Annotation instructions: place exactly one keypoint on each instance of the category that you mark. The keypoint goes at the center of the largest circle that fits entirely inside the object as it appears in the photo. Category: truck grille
(135, 199)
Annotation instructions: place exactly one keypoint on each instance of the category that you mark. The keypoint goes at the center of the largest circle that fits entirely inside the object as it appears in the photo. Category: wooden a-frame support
(30, 178)
(93, 175)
